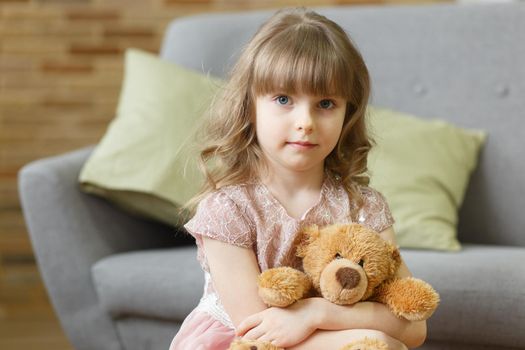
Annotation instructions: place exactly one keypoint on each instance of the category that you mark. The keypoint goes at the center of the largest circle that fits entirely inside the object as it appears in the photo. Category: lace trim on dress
(211, 305)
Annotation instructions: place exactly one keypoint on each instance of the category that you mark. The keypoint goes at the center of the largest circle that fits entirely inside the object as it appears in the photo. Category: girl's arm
(371, 315)
(234, 272)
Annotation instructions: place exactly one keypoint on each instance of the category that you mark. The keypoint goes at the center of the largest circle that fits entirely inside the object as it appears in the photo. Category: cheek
(268, 134)
(333, 132)
(269, 128)
(263, 128)
(339, 126)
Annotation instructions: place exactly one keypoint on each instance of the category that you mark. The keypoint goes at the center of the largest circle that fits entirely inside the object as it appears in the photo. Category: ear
(307, 236)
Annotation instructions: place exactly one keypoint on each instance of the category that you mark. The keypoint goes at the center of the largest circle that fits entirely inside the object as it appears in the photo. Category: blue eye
(282, 100)
(326, 104)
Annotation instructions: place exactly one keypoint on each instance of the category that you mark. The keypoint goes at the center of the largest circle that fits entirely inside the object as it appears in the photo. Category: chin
(303, 166)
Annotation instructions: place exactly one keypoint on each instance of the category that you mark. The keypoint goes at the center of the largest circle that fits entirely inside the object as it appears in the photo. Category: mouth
(301, 144)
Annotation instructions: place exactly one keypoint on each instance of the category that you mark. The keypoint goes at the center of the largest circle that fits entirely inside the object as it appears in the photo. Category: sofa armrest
(70, 231)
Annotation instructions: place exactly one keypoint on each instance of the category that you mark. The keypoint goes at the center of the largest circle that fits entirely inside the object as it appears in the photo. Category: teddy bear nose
(348, 277)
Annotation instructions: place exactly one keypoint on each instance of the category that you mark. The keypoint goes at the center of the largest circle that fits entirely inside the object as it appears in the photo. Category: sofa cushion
(482, 293)
(168, 283)
(163, 283)
(139, 333)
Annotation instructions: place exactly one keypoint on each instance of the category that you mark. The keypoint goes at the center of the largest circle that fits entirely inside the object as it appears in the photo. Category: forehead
(301, 62)
(291, 81)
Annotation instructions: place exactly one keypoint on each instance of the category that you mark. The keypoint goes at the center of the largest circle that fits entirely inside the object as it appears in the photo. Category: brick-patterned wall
(60, 76)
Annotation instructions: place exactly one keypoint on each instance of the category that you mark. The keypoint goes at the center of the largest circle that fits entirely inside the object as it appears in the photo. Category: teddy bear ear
(307, 236)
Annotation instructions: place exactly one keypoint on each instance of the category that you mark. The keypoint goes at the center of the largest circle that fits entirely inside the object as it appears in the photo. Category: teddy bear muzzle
(343, 282)
(348, 277)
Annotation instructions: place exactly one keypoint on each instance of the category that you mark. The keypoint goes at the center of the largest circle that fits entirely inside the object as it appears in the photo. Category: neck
(290, 183)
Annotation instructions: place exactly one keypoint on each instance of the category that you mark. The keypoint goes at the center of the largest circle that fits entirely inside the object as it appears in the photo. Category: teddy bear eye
(338, 256)
(361, 263)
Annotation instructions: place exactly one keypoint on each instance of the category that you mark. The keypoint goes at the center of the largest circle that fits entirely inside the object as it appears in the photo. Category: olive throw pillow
(422, 167)
(145, 161)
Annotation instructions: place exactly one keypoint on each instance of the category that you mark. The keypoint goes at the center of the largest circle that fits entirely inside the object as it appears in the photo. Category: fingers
(267, 338)
(247, 324)
(256, 334)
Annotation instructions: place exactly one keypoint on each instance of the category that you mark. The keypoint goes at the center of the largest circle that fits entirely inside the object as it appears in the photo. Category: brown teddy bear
(345, 263)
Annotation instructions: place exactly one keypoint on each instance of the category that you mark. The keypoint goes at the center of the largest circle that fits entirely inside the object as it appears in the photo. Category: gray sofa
(120, 282)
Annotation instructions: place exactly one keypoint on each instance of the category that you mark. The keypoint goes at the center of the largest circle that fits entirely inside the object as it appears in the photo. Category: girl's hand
(282, 327)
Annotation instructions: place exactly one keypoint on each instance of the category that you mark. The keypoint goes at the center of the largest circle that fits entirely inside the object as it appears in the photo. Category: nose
(348, 277)
(305, 121)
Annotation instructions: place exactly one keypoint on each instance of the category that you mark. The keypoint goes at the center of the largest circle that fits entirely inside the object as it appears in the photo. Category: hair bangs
(301, 61)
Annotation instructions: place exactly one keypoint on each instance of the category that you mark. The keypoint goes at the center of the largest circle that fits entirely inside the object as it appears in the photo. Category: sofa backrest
(462, 63)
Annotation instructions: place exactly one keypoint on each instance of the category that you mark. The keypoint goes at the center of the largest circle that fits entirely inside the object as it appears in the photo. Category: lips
(301, 145)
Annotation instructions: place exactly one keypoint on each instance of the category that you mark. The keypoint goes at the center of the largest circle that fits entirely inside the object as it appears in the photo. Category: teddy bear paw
(243, 344)
(366, 344)
(283, 286)
(413, 299)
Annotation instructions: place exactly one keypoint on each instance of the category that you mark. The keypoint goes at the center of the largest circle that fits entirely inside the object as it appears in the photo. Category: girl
(286, 146)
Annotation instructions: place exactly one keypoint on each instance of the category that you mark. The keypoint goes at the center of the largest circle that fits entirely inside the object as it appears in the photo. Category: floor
(27, 320)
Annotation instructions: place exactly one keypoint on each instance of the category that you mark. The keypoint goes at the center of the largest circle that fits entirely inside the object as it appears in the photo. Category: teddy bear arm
(410, 298)
(283, 286)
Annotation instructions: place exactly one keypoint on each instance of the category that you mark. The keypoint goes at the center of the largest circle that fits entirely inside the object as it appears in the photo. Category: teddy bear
(345, 263)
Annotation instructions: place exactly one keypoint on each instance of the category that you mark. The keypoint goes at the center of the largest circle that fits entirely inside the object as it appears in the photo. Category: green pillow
(422, 167)
(141, 160)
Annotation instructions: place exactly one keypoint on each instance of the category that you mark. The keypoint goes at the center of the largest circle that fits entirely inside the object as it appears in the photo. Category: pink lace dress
(249, 216)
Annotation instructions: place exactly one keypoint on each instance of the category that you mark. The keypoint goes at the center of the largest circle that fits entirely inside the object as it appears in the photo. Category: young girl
(286, 146)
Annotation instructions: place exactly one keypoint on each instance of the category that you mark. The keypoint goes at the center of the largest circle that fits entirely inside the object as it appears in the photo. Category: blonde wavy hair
(295, 51)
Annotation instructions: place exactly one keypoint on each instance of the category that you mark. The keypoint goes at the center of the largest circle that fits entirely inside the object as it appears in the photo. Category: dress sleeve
(375, 212)
(219, 217)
